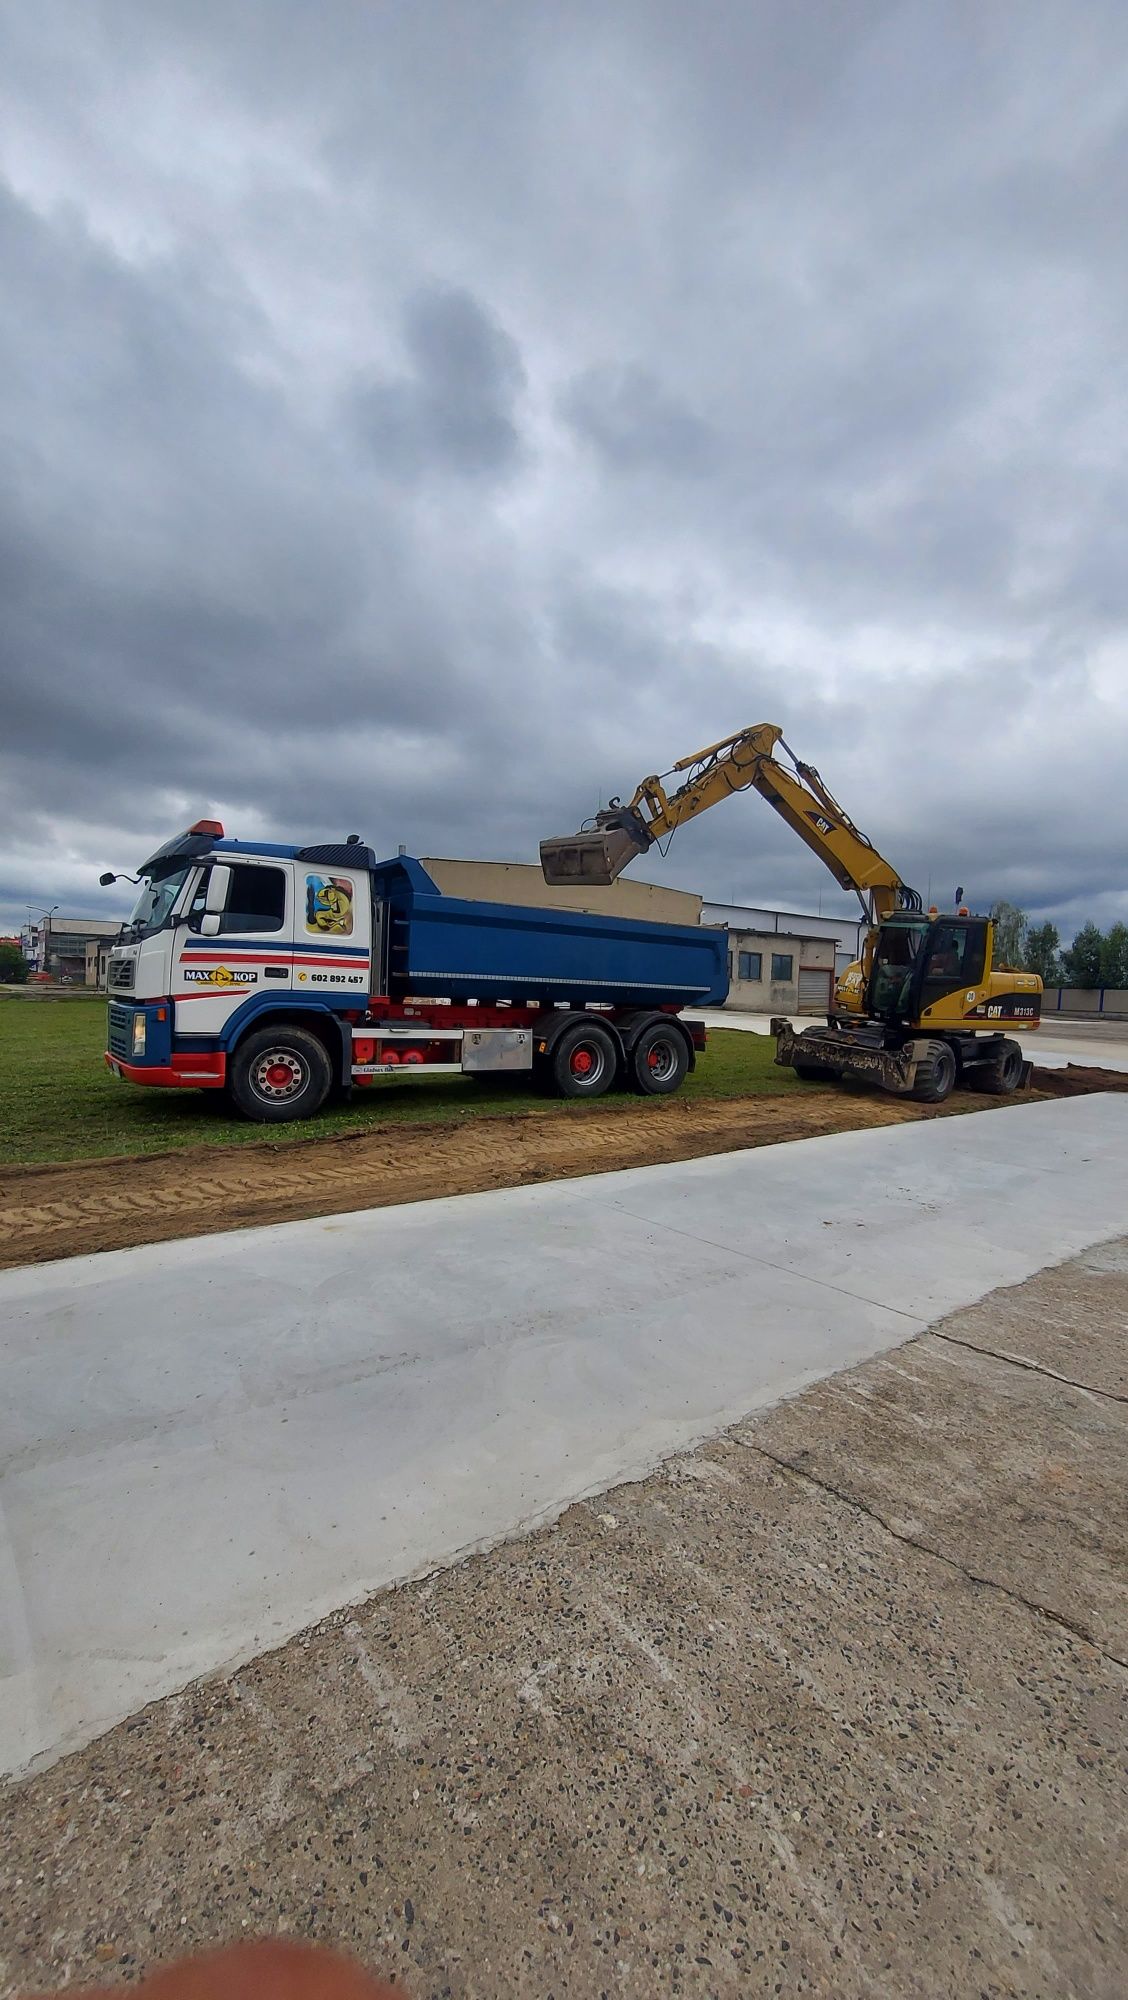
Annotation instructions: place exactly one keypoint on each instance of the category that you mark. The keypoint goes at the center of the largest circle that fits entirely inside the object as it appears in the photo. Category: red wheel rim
(583, 1062)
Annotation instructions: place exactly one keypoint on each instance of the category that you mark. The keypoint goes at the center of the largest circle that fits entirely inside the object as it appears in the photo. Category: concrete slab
(210, 1444)
(1018, 1477)
(1058, 1042)
(1055, 1331)
(827, 1706)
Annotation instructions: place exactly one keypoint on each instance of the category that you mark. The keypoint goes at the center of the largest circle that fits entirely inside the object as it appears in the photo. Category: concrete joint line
(766, 1264)
(1033, 1367)
(1030, 1604)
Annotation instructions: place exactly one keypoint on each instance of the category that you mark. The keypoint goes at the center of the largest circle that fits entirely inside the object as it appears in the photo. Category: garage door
(814, 989)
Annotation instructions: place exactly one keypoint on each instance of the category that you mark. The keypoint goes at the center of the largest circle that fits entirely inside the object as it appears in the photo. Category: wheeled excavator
(924, 1007)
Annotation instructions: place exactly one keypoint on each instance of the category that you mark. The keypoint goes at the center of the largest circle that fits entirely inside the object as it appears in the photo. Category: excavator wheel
(935, 1074)
(1001, 1074)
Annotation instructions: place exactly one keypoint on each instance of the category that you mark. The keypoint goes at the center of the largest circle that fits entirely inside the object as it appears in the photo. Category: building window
(749, 965)
(782, 963)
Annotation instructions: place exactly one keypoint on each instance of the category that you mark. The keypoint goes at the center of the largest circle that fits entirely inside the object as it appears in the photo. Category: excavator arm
(744, 762)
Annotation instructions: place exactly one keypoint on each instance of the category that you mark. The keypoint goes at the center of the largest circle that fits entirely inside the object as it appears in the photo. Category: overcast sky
(426, 420)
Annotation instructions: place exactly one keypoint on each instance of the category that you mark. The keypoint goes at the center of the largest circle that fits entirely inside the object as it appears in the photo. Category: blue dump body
(448, 947)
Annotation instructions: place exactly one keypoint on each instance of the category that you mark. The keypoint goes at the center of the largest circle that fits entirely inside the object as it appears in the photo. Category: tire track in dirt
(108, 1204)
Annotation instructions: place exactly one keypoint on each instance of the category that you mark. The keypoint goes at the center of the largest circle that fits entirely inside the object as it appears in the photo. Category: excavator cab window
(894, 967)
(955, 956)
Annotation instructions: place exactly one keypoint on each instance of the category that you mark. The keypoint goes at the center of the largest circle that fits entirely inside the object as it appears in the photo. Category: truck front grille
(120, 976)
(120, 1032)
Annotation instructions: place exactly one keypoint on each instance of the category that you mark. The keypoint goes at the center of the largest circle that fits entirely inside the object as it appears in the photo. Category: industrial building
(72, 950)
(784, 961)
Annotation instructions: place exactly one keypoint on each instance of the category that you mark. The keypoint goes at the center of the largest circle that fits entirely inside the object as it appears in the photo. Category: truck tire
(815, 1072)
(279, 1074)
(659, 1060)
(584, 1062)
(1002, 1072)
(935, 1075)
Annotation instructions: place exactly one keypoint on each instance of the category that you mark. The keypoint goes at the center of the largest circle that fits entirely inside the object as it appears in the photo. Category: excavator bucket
(587, 860)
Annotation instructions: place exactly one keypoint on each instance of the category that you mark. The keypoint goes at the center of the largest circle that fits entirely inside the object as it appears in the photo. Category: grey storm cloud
(430, 421)
(457, 411)
(631, 420)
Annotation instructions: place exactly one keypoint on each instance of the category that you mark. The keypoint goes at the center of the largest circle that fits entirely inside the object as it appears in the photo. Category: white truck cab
(223, 930)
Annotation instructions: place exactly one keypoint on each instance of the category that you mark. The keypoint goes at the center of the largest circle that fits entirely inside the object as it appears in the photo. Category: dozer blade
(587, 860)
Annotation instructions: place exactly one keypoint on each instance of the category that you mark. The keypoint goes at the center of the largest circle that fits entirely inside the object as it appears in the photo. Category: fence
(1110, 1000)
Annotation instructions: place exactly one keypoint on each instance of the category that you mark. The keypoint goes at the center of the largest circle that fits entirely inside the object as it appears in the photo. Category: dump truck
(278, 974)
(926, 1005)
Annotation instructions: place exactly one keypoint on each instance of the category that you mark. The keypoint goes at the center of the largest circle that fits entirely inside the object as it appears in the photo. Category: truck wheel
(279, 1074)
(659, 1061)
(935, 1075)
(1001, 1074)
(584, 1062)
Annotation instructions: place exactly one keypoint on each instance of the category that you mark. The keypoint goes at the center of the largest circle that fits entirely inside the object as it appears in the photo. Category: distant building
(98, 959)
(784, 961)
(72, 950)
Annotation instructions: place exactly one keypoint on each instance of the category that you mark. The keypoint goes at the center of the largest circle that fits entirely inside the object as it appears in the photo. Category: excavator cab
(919, 961)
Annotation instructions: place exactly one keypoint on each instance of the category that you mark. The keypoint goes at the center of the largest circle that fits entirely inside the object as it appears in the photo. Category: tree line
(1095, 958)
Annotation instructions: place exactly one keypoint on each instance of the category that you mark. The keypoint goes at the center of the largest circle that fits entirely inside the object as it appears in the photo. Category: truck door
(250, 949)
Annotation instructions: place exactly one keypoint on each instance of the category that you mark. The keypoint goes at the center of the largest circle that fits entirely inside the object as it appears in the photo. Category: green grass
(59, 1102)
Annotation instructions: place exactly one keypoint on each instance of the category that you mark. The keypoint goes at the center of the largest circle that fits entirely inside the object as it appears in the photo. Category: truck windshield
(151, 910)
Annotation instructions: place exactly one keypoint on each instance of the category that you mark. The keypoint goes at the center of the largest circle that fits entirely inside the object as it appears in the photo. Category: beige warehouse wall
(522, 882)
(776, 996)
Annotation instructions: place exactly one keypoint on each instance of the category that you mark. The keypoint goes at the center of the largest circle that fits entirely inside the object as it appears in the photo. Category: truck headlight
(139, 1034)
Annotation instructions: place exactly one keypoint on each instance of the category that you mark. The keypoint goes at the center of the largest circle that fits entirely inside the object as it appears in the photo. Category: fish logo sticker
(329, 905)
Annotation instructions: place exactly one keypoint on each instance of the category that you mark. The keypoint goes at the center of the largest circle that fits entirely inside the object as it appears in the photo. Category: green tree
(1083, 959)
(1010, 934)
(1041, 953)
(13, 965)
(1114, 956)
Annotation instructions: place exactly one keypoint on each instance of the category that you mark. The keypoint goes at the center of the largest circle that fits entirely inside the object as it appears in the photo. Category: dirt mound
(1077, 1080)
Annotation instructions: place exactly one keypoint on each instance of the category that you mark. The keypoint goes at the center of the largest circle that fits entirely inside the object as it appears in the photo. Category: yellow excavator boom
(744, 762)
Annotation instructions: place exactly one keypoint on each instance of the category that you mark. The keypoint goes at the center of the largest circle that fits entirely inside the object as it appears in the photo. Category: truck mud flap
(890, 1069)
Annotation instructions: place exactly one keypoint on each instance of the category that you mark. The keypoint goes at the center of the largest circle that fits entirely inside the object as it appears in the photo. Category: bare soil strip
(80, 1206)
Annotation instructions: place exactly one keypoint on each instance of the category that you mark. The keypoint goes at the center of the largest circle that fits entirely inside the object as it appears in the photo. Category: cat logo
(218, 975)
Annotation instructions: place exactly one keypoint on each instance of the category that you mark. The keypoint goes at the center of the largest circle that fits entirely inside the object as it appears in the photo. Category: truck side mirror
(219, 882)
(215, 901)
